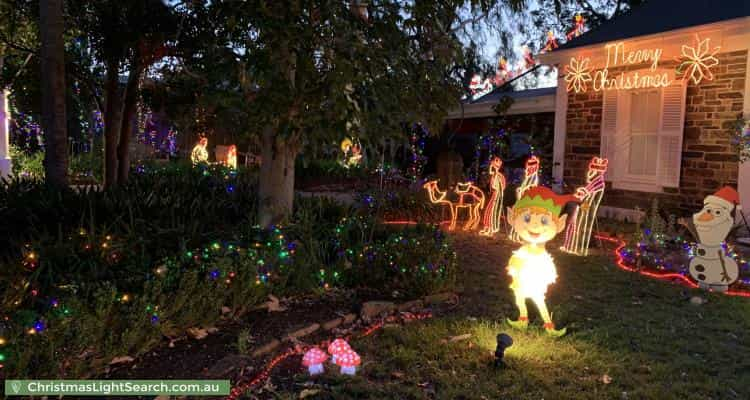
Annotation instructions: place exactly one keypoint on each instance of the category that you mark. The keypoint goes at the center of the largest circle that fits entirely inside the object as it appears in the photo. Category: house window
(641, 135)
(644, 134)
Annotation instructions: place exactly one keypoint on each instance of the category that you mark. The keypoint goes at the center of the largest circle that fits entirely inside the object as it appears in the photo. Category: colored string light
(469, 197)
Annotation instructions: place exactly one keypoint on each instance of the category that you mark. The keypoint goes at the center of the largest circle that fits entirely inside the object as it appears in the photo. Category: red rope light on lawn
(241, 388)
(619, 260)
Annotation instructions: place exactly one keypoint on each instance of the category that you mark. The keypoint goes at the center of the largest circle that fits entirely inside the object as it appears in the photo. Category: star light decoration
(696, 62)
(577, 74)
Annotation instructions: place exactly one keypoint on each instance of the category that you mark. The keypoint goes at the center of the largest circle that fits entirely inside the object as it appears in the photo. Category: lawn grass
(630, 337)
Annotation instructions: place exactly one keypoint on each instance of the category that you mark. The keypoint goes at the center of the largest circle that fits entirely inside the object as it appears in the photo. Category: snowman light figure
(711, 267)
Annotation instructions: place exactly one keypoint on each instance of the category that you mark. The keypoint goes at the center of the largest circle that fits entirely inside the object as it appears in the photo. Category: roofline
(557, 56)
(526, 105)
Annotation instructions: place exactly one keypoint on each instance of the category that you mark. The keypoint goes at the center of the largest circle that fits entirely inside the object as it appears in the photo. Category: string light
(469, 196)
(199, 155)
(581, 225)
(530, 179)
(697, 61)
(577, 74)
(494, 210)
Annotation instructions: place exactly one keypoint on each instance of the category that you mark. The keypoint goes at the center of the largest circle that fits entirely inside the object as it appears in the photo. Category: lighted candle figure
(352, 152)
(530, 179)
(494, 210)
(232, 157)
(536, 219)
(578, 27)
(578, 234)
(199, 154)
(551, 41)
(528, 58)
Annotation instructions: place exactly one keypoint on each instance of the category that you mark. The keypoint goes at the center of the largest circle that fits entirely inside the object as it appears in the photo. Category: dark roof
(655, 16)
(503, 91)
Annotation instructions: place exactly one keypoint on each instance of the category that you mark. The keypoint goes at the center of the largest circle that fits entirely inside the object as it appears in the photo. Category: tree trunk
(112, 123)
(128, 117)
(53, 92)
(276, 187)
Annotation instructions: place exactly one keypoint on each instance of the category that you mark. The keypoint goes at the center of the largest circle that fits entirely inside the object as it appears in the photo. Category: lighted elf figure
(199, 155)
(232, 157)
(578, 234)
(711, 267)
(536, 217)
(530, 179)
(494, 210)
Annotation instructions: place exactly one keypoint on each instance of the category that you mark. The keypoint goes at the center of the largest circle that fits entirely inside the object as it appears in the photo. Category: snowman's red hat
(726, 197)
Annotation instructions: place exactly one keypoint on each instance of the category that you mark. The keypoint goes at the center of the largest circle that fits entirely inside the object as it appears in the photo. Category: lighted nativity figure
(537, 220)
(199, 155)
(530, 179)
(494, 210)
(352, 151)
(710, 266)
(232, 157)
(578, 234)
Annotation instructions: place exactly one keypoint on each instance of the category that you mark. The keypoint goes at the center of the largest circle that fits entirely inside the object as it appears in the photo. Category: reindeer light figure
(468, 196)
(578, 234)
(494, 210)
(530, 179)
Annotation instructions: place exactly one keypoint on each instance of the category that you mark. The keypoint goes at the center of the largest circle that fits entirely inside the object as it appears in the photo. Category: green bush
(27, 164)
(100, 274)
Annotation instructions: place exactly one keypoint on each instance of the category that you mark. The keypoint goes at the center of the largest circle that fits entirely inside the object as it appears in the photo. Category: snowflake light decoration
(577, 74)
(696, 62)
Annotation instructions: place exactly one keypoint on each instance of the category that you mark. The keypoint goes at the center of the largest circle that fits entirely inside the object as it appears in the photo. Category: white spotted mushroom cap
(314, 356)
(348, 359)
(338, 346)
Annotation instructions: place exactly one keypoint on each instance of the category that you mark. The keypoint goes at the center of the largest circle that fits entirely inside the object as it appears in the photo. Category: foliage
(27, 164)
(741, 139)
(93, 275)
(399, 203)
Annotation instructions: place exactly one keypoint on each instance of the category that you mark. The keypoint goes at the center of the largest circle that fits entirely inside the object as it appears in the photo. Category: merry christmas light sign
(695, 64)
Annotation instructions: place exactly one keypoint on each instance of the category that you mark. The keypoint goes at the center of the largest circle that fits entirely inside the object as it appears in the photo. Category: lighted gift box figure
(199, 154)
(710, 265)
(536, 219)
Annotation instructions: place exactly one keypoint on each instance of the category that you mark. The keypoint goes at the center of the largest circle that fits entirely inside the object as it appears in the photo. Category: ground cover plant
(115, 271)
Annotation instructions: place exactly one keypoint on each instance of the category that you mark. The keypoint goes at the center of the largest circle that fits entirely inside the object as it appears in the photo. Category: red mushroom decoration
(337, 347)
(348, 361)
(313, 360)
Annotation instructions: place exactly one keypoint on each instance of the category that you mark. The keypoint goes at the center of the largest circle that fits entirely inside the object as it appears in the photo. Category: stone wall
(709, 160)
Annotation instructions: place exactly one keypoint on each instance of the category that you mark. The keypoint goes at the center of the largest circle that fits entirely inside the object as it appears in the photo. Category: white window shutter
(671, 129)
(609, 129)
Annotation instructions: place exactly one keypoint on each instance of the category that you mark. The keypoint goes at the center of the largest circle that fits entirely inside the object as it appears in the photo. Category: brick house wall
(709, 159)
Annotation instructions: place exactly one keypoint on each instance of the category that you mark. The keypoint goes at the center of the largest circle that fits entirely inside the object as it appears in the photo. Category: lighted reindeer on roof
(465, 195)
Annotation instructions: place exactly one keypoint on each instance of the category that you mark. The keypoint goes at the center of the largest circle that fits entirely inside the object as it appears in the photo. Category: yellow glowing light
(125, 298)
(577, 74)
(199, 154)
(578, 234)
(3, 341)
(698, 60)
(467, 195)
(536, 219)
(232, 157)
(31, 331)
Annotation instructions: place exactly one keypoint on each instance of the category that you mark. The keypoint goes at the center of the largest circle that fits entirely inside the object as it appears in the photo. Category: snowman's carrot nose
(705, 217)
